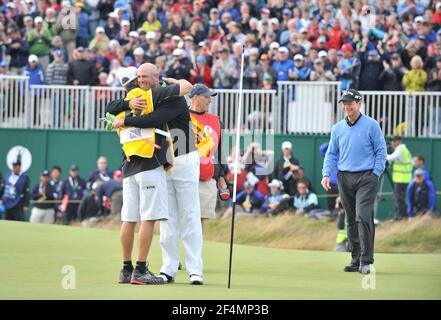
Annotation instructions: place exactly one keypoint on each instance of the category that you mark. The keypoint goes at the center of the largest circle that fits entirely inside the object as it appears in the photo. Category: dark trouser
(400, 200)
(332, 196)
(71, 213)
(357, 193)
(16, 213)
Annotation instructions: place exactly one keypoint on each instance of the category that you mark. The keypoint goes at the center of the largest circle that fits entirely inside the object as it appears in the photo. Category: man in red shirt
(208, 128)
(336, 35)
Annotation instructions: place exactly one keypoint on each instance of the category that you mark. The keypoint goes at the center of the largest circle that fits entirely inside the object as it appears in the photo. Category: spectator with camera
(248, 201)
(421, 196)
(276, 201)
(285, 167)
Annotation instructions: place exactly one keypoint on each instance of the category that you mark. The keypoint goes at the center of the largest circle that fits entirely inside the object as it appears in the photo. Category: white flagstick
(236, 163)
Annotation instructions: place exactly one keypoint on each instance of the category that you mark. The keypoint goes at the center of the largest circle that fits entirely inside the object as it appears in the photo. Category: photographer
(285, 168)
(224, 71)
(180, 67)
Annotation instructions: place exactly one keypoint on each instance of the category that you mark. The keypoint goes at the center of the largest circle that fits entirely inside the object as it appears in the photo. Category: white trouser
(42, 215)
(184, 217)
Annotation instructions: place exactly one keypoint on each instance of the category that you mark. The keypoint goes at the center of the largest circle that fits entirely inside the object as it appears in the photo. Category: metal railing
(296, 107)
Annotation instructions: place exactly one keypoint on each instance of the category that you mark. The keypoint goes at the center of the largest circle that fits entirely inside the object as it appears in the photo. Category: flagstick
(236, 165)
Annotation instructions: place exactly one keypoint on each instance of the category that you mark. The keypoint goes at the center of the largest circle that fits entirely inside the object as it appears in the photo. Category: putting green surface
(32, 258)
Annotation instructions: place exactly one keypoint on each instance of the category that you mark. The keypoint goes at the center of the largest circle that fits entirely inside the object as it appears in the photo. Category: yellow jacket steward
(133, 139)
(402, 169)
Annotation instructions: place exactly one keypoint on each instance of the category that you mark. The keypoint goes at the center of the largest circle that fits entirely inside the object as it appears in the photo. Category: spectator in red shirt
(177, 6)
(436, 17)
(201, 73)
(336, 35)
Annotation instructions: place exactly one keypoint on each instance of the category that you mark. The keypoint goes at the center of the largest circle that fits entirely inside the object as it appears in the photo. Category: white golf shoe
(195, 279)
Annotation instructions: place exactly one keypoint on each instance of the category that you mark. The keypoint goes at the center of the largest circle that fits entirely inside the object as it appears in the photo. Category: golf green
(58, 262)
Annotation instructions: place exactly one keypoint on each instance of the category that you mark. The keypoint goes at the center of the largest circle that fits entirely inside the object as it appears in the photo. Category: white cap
(274, 21)
(438, 5)
(303, 30)
(138, 52)
(10, 5)
(99, 29)
(419, 19)
(126, 75)
(32, 58)
(298, 56)
(176, 38)
(322, 54)
(178, 52)
(274, 45)
(133, 34)
(113, 15)
(66, 4)
(286, 145)
(254, 51)
(125, 23)
(283, 49)
(38, 19)
(150, 35)
(275, 183)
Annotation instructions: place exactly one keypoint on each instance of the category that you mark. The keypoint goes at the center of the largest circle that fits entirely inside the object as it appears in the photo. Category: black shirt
(169, 109)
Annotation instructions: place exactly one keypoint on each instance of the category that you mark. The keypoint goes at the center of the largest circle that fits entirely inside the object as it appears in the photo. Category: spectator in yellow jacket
(415, 79)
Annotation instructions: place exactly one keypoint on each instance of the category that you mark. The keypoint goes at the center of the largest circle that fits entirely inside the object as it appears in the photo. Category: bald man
(144, 184)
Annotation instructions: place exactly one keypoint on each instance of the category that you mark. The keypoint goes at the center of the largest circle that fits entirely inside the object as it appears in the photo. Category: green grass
(32, 257)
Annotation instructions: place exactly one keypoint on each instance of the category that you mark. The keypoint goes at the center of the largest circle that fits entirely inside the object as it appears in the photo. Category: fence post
(28, 102)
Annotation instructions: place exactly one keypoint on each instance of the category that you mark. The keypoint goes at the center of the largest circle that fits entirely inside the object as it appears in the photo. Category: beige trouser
(42, 215)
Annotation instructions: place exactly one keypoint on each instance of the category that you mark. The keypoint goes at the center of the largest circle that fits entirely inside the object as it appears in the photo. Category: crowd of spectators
(367, 45)
(66, 200)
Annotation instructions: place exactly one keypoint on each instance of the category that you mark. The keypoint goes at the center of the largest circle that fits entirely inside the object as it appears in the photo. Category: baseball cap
(267, 77)
(422, 37)
(275, 183)
(151, 35)
(287, 11)
(298, 57)
(10, 5)
(99, 30)
(80, 49)
(79, 4)
(419, 19)
(125, 23)
(419, 172)
(200, 89)
(339, 53)
(133, 34)
(322, 54)
(373, 53)
(188, 38)
(45, 173)
(16, 163)
(201, 58)
(286, 145)
(396, 138)
(283, 49)
(439, 31)
(138, 51)
(196, 18)
(3, 64)
(346, 47)
(178, 52)
(38, 19)
(438, 5)
(253, 51)
(175, 38)
(274, 21)
(74, 167)
(265, 11)
(113, 15)
(32, 58)
(214, 10)
(274, 45)
(117, 174)
(59, 52)
(350, 95)
(303, 30)
(126, 75)
(64, 3)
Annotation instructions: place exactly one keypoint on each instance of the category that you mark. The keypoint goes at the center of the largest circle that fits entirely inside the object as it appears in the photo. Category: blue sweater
(359, 147)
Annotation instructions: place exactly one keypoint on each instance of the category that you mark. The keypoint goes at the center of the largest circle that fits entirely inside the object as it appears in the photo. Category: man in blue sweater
(358, 149)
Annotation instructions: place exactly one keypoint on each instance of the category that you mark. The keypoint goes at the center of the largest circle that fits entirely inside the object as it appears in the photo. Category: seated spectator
(248, 201)
(101, 173)
(277, 201)
(284, 168)
(111, 190)
(43, 212)
(304, 201)
(421, 195)
(89, 209)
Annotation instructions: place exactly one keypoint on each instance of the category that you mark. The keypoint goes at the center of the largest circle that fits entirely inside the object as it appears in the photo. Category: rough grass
(421, 235)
